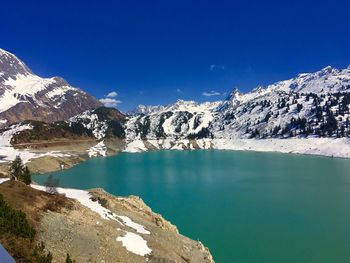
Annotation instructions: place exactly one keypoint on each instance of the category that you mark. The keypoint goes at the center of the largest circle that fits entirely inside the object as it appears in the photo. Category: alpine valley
(305, 114)
(52, 125)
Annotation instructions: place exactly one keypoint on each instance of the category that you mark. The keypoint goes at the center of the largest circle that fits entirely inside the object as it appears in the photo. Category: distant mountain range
(24, 95)
(311, 104)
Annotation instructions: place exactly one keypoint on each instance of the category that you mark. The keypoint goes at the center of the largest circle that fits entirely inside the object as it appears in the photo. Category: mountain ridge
(24, 95)
(307, 105)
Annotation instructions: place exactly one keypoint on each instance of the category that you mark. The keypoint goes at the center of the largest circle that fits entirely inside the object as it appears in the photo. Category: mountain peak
(10, 65)
(235, 94)
(327, 70)
(24, 95)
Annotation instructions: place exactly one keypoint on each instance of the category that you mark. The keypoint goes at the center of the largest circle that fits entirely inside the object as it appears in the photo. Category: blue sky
(154, 52)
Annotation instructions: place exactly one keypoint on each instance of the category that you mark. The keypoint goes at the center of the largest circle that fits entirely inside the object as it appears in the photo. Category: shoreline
(328, 147)
(322, 147)
(126, 226)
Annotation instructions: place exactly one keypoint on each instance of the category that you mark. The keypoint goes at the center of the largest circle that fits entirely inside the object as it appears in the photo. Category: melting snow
(131, 241)
(333, 147)
(135, 146)
(135, 244)
(139, 228)
(97, 127)
(8, 153)
(98, 149)
(2, 180)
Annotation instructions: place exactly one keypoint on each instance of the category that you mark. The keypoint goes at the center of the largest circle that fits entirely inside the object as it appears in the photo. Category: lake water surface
(245, 206)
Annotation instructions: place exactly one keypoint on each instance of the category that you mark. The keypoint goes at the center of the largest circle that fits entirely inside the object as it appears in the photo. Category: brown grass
(31, 201)
(34, 203)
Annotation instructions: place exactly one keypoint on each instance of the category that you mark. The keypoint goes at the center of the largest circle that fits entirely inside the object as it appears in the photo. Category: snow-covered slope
(24, 95)
(326, 80)
(102, 122)
(146, 109)
(311, 104)
(180, 120)
(304, 105)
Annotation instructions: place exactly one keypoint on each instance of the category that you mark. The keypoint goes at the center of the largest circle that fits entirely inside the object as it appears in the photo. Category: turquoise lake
(245, 206)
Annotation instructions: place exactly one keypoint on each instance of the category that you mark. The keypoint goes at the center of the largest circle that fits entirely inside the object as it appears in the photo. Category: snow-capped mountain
(309, 104)
(178, 120)
(146, 109)
(324, 81)
(103, 122)
(24, 95)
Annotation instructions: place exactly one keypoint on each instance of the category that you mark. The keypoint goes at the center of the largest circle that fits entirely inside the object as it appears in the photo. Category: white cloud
(211, 93)
(110, 102)
(178, 90)
(216, 67)
(112, 94)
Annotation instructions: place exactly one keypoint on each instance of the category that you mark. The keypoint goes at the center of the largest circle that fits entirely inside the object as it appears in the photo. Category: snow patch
(139, 228)
(91, 122)
(135, 146)
(8, 153)
(3, 180)
(131, 241)
(332, 147)
(99, 149)
(135, 244)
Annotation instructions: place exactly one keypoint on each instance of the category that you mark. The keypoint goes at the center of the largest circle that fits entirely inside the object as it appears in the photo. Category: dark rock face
(26, 96)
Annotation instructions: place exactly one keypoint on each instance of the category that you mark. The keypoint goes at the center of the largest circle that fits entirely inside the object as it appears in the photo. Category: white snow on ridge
(22, 85)
(326, 80)
(131, 241)
(189, 106)
(170, 119)
(59, 91)
(139, 228)
(91, 122)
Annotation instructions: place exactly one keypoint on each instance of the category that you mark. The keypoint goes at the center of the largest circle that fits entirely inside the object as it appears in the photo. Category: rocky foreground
(94, 226)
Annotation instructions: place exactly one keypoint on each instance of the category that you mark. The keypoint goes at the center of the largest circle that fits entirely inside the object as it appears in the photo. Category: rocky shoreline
(95, 226)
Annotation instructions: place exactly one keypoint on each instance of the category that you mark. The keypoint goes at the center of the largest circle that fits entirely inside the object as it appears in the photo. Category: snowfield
(331, 147)
(99, 149)
(27, 84)
(8, 153)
